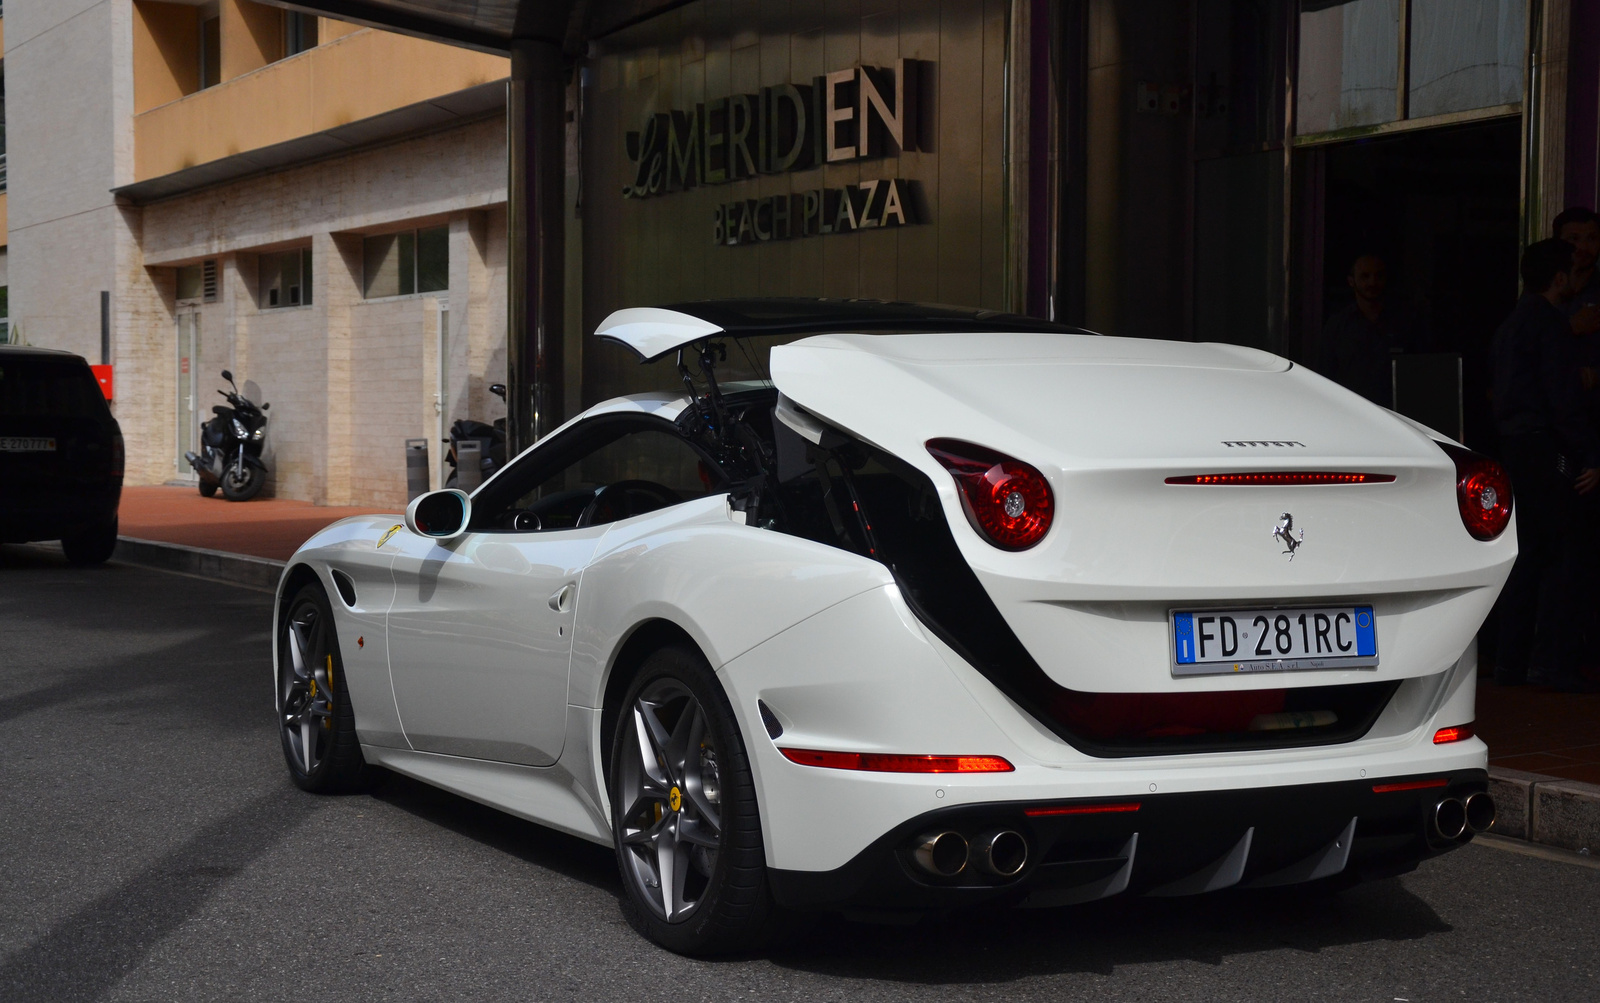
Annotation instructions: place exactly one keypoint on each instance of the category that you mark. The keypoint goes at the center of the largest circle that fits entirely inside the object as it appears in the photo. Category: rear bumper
(53, 514)
(1171, 844)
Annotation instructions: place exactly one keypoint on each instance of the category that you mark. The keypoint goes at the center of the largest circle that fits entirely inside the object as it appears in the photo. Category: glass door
(187, 403)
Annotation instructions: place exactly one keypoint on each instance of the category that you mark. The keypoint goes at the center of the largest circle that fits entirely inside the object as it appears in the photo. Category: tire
(310, 710)
(243, 486)
(722, 903)
(92, 546)
(207, 489)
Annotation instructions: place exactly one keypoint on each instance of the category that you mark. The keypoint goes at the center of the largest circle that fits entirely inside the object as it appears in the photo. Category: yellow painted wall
(166, 53)
(252, 37)
(356, 76)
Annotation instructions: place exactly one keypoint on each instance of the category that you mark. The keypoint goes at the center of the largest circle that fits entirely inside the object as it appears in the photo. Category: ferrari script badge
(1285, 534)
(675, 799)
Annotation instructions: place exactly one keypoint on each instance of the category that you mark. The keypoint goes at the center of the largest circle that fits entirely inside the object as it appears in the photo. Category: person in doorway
(1552, 453)
(1359, 341)
(1580, 227)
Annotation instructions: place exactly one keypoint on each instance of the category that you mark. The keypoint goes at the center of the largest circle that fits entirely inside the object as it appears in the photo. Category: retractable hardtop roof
(653, 332)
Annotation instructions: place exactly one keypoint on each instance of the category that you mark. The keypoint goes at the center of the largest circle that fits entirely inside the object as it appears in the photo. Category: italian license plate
(1213, 641)
(26, 444)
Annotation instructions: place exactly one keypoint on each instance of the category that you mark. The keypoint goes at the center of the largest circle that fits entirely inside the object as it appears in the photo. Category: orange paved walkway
(263, 527)
(1527, 727)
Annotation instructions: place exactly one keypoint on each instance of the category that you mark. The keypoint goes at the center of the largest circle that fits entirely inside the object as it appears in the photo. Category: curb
(1546, 810)
(219, 565)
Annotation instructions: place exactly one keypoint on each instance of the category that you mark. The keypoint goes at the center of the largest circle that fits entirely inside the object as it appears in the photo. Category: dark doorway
(1440, 206)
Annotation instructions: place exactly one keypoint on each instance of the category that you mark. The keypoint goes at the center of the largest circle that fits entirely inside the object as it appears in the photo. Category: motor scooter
(491, 441)
(230, 447)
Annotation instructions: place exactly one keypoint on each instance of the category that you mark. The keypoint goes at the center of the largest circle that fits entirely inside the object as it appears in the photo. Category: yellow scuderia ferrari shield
(385, 537)
(675, 799)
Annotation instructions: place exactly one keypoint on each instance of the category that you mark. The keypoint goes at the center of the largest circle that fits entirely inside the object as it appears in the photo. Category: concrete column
(468, 387)
(336, 287)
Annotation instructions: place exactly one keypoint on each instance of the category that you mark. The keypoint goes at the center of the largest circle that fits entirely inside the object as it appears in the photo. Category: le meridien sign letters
(856, 114)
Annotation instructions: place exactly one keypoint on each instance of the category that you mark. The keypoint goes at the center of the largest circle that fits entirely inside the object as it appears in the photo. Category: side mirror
(439, 515)
(227, 376)
(266, 407)
(498, 389)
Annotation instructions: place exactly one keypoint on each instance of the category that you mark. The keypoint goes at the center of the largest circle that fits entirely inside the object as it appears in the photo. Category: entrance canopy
(486, 25)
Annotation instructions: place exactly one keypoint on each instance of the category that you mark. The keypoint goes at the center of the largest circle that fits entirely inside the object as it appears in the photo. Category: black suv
(61, 454)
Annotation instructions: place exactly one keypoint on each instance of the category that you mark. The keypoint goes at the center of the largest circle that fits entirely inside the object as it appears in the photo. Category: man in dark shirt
(1360, 341)
(1552, 453)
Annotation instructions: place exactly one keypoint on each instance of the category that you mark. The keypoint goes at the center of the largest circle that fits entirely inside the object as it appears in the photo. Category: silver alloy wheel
(671, 795)
(305, 696)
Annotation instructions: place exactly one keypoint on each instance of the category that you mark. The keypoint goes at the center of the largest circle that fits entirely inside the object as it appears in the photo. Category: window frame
(415, 233)
(570, 447)
(305, 274)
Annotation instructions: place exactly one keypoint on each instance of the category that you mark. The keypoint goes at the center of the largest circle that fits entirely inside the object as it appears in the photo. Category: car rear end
(61, 451)
(1213, 614)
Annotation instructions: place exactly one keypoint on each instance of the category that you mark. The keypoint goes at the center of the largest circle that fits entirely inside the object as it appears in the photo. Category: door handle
(562, 600)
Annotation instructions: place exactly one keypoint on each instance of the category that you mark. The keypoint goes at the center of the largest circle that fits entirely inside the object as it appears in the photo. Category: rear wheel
(92, 546)
(208, 489)
(242, 484)
(687, 831)
(315, 719)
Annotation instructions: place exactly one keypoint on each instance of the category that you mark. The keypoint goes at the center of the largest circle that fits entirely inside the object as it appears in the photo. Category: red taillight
(1410, 785)
(1483, 492)
(1083, 809)
(119, 455)
(1006, 500)
(887, 762)
(1459, 733)
(1284, 477)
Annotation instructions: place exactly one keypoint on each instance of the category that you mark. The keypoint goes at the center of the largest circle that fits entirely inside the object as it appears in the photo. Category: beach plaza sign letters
(855, 114)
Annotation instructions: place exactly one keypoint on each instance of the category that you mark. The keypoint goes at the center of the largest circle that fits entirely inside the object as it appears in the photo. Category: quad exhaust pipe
(1002, 853)
(1453, 817)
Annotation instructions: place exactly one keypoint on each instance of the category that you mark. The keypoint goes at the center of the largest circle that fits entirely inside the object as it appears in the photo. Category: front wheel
(243, 482)
(686, 827)
(315, 719)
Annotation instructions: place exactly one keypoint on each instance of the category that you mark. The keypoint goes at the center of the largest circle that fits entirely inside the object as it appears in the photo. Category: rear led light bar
(1459, 733)
(1283, 477)
(1410, 785)
(1082, 809)
(888, 762)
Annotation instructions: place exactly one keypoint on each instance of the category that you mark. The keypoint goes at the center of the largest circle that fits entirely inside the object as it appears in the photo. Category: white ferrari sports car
(948, 607)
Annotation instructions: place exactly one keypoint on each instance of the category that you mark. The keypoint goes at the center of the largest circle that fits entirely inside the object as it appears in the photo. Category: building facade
(323, 207)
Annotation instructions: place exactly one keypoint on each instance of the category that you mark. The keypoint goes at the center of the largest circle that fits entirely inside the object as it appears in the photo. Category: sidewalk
(270, 528)
(1537, 730)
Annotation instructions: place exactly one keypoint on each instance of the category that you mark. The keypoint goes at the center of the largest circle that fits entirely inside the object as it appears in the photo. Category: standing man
(1359, 341)
(1552, 453)
(1580, 227)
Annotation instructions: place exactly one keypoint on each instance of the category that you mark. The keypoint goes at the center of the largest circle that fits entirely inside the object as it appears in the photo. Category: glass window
(399, 264)
(1466, 54)
(286, 279)
(606, 471)
(210, 52)
(1349, 64)
(299, 32)
(191, 282)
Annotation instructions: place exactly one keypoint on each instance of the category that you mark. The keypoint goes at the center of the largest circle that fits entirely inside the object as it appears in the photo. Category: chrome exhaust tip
(1480, 811)
(941, 853)
(1001, 852)
(1449, 818)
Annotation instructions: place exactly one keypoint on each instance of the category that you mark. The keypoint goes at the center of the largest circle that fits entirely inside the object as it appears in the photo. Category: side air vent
(346, 587)
(208, 280)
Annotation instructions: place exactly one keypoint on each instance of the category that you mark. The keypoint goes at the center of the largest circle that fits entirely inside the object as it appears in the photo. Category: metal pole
(536, 150)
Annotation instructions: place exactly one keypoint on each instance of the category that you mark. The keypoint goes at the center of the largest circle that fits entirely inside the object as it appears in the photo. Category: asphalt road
(152, 848)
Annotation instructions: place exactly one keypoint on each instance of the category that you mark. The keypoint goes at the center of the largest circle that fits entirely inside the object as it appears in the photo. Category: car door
(480, 632)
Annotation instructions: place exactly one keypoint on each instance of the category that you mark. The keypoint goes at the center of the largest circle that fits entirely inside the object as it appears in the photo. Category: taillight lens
(1460, 733)
(1007, 501)
(119, 455)
(1483, 492)
(890, 762)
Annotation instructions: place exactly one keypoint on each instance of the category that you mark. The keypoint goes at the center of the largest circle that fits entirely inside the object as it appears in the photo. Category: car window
(47, 388)
(608, 472)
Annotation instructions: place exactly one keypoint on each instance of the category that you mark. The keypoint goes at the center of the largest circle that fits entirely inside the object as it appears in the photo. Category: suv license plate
(1216, 641)
(26, 444)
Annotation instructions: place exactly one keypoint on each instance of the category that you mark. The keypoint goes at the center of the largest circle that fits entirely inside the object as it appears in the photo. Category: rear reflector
(1459, 733)
(884, 762)
(1283, 477)
(1082, 809)
(1410, 785)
